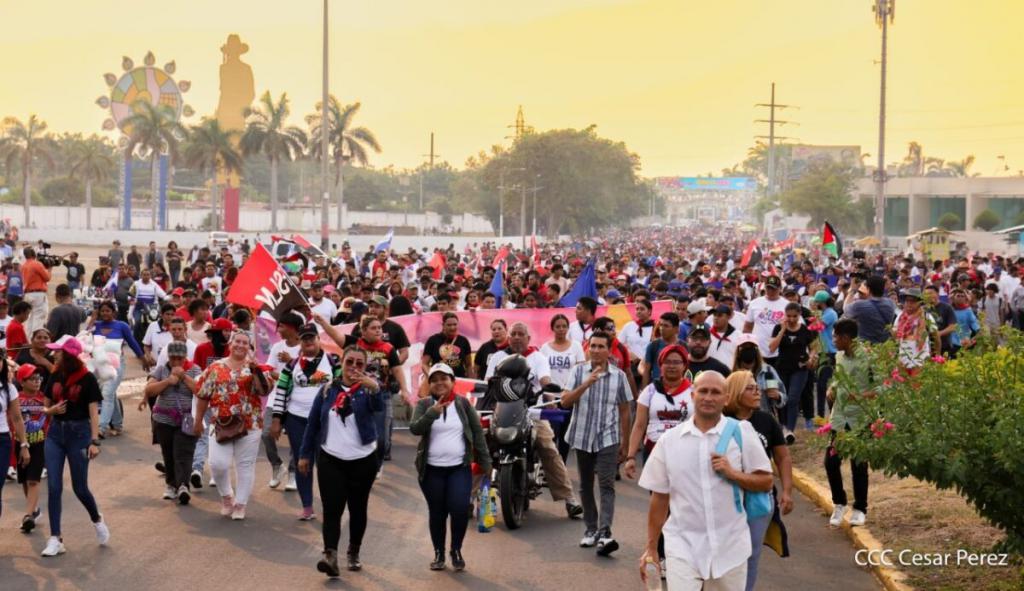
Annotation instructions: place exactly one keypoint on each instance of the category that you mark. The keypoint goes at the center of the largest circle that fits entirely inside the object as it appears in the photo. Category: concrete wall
(52, 217)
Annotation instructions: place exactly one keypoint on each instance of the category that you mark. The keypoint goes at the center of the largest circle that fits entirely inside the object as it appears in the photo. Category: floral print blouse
(230, 393)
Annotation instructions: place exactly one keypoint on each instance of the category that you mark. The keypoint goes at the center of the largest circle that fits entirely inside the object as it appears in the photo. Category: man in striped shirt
(599, 394)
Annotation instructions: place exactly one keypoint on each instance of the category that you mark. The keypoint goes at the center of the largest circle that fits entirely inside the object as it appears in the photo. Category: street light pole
(324, 127)
(884, 14)
(501, 204)
(522, 214)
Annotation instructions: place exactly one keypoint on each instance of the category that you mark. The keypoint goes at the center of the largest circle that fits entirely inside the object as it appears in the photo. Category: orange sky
(675, 79)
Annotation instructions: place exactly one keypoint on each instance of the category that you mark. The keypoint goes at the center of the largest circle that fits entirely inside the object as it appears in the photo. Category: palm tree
(347, 144)
(961, 168)
(266, 133)
(913, 162)
(92, 162)
(212, 148)
(155, 130)
(23, 144)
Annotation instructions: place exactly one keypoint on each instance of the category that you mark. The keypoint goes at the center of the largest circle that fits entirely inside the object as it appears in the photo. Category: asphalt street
(157, 544)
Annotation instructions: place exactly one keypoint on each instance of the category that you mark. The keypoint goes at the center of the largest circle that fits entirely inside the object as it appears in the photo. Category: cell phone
(771, 385)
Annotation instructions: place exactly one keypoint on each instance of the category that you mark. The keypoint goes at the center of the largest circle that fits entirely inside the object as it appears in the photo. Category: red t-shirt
(205, 356)
(16, 337)
(182, 312)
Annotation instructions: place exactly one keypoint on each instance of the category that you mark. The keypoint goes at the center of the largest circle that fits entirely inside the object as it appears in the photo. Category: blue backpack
(756, 504)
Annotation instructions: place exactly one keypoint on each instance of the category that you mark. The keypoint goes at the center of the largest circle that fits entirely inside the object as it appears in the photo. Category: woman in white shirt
(563, 354)
(341, 436)
(451, 440)
(10, 416)
(663, 404)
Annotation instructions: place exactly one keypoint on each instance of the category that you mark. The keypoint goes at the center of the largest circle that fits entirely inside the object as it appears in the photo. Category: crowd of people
(697, 403)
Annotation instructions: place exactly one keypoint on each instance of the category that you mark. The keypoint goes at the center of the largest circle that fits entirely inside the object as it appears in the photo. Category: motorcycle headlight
(506, 434)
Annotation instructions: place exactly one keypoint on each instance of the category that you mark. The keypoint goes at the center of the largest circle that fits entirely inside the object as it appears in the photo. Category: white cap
(441, 367)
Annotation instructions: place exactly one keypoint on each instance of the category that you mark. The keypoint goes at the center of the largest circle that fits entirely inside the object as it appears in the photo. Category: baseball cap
(696, 306)
(68, 344)
(380, 301)
(821, 296)
(441, 367)
(773, 281)
(746, 339)
(25, 371)
(612, 294)
(308, 329)
(177, 349)
(222, 324)
(911, 292)
(723, 309)
(319, 284)
(292, 318)
(178, 291)
(699, 331)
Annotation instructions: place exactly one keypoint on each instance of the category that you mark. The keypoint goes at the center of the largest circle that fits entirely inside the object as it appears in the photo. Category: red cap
(222, 324)
(25, 371)
(178, 291)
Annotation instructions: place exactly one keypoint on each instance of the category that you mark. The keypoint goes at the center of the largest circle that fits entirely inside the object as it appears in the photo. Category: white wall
(53, 217)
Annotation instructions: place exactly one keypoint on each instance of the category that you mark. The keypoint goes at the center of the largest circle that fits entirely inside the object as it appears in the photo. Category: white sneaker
(44, 474)
(664, 569)
(170, 492)
(790, 437)
(12, 474)
(54, 547)
(238, 513)
(857, 517)
(589, 539)
(837, 516)
(277, 475)
(379, 473)
(102, 532)
(291, 482)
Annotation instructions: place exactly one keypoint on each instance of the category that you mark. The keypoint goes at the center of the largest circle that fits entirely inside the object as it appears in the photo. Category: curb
(892, 579)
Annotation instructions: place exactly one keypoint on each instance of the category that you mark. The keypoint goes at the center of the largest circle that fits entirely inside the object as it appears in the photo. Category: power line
(771, 137)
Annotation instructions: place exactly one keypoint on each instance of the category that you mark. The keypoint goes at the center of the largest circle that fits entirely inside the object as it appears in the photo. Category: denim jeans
(110, 410)
(68, 440)
(273, 456)
(5, 461)
(384, 421)
(795, 383)
(758, 527)
(295, 427)
(447, 491)
(825, 371)
(202, 446)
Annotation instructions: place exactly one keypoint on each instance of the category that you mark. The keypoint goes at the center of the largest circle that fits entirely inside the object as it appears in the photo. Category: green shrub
(957, 424)
(987, 220)
(949, 221)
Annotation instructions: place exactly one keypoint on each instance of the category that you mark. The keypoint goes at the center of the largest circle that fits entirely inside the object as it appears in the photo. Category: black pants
(177, 449)
(833, 468)
(447, 492)
(345, 482)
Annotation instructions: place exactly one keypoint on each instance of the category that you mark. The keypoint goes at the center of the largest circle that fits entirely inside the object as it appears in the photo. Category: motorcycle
(510, 437)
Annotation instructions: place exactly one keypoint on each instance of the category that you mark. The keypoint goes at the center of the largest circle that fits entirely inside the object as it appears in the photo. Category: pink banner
(475, 325)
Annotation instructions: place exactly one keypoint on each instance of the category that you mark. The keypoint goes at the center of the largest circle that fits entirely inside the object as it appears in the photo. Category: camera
(49, 260)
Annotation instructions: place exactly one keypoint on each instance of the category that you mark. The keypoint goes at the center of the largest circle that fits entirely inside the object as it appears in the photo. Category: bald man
(555, 473)
(684, 472)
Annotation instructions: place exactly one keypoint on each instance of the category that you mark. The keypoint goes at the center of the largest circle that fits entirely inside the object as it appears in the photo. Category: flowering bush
(954, 423)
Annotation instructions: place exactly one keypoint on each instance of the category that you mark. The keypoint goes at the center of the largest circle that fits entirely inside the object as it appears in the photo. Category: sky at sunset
(676, 80)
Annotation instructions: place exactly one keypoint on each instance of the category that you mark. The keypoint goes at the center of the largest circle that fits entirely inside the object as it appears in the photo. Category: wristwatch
(25, 444)
(95, 442)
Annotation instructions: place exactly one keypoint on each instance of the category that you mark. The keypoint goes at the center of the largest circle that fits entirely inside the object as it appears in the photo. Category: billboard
(689, 183)
(803, 156)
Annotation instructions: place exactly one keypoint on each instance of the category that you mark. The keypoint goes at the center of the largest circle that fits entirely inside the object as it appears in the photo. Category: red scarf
(378, 347)
(342, 403)
(70, 384)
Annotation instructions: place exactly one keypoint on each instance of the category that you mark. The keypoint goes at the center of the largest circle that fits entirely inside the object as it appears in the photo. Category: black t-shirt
(482, 355)
(768, 430)
(78, 394)
(455, 353)
(793, 348)
(709, 364)
(76, 271)
(944, 316)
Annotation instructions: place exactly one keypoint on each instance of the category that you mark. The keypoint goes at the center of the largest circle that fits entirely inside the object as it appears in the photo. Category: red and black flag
(751, 255)
(263, 285)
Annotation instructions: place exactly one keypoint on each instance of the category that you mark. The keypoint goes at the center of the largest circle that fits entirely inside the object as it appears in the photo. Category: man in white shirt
(764, 314)
(586, 313)
(179, 333)
(636, 335)
(212, 283)
(686, 474)
(319, 304)
(158, 334)
(540, 375)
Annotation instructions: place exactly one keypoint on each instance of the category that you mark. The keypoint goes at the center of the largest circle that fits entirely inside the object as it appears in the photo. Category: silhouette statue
(237, 92)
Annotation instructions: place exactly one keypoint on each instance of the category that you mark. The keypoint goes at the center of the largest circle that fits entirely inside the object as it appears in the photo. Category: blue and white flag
(111, 285)
(385, 244)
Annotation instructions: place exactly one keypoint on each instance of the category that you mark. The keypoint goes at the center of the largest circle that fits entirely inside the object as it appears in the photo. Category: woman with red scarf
(72, 399)
(341, 437)
(665, 403)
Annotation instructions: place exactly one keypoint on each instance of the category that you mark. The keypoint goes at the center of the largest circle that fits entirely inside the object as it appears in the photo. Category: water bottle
(653, 574)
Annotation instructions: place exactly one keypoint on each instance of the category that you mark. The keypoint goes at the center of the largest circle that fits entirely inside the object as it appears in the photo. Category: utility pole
(501, 204)
(325, 124)
(522, 214)
(771, 137)
(431, 157)
(885, 13)
(535, 189)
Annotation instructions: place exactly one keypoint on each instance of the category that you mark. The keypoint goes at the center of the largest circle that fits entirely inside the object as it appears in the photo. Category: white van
(217, 240)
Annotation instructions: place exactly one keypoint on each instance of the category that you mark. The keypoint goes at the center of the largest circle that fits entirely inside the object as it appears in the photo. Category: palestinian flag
(830, 241)
(751, 255)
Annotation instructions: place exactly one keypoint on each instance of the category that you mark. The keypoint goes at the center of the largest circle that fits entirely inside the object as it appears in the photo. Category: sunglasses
(355, 363)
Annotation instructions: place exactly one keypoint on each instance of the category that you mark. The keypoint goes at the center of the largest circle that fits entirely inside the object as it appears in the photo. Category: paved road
(159, 545)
